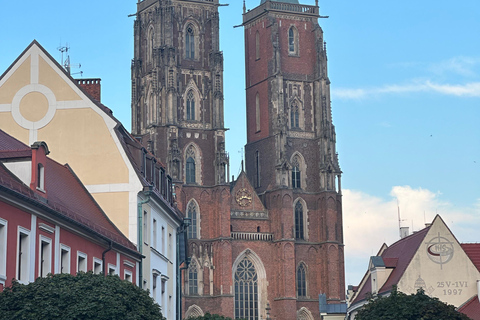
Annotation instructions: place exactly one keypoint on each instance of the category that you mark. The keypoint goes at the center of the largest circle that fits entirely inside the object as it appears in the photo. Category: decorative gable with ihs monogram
(441, 267)
(245, 203)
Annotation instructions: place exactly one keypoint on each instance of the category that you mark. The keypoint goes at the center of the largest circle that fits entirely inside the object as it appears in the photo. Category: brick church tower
(268, 244)
(290, 151)
(177, 88)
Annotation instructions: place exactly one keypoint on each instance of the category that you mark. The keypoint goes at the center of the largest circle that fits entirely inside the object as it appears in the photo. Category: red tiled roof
(390, 262)
(403, 250)
(397, 257)
(471, 308)
(12, 148)
(473, 252)
(66, 195)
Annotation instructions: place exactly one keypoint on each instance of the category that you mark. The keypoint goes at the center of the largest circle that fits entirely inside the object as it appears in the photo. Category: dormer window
(41, 177)
(293, 41)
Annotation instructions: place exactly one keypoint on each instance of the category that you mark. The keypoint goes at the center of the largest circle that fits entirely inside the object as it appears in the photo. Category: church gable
(441, 267)
(245, 203)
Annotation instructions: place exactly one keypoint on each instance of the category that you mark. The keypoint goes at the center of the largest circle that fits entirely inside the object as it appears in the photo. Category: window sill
(296, 129)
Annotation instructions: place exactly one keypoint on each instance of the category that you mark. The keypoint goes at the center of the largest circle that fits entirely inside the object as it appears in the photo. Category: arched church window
(246, 291)
(190, 170)
(151, 109)
(301, 281)
(150, 44)
(294, 116)
(296, 173)
(292, 41)
(192, 214)
(296, 177)
(257, 112)
(257, 45)
(190, 42)
(193, 279)
(257, 169)
(190, 105)
(299, 231)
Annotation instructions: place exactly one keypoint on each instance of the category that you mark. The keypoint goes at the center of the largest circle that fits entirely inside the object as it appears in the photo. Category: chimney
(91, 86)
(403, 232)
(39, 162)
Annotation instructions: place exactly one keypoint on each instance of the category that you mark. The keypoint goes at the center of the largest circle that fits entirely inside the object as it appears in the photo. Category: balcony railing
(252, 236)
(280, 6)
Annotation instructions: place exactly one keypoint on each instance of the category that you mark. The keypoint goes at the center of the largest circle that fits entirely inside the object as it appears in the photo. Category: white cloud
(463, 66)
(371, 221)
(471, 89)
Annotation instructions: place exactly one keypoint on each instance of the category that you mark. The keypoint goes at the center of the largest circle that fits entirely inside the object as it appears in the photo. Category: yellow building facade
(39, 101)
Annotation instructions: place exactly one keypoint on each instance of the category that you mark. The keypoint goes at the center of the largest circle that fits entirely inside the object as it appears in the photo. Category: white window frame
(112, 267)
(129, 274)
(3, 250)
(25, 259)
(68, 261)
(163, 240)
(47, 267)
(170, 251)
(97, 261)
(154, 234)
(82, 255)
(145, 227)
(41, 177)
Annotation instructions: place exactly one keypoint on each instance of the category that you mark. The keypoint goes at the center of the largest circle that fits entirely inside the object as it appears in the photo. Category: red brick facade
(252, 220)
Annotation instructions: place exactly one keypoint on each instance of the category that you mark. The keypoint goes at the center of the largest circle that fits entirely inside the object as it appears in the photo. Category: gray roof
(286, 1)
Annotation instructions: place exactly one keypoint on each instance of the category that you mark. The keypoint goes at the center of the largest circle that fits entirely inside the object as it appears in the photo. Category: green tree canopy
(85, 296)
(400, 306)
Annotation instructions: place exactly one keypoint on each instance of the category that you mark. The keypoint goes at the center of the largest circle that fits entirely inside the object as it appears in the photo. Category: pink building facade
(49, 223)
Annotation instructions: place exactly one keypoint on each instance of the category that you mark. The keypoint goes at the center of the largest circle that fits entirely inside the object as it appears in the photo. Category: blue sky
(405, 79)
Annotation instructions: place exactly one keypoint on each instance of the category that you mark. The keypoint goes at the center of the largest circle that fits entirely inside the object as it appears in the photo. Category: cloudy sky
(405, 96)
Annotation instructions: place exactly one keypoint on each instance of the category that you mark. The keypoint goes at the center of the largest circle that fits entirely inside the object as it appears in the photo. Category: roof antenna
(399, 220)
(66, 63)
(402, 235)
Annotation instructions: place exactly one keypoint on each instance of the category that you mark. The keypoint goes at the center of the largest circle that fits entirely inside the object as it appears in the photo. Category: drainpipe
(103, 258)
(478, 290)
(139, 230)
(181, 232)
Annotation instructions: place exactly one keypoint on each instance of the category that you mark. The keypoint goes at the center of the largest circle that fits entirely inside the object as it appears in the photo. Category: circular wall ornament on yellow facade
(33, 106)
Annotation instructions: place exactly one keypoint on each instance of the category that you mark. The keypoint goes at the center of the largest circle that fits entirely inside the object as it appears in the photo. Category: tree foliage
(85, 296)
(400, 306)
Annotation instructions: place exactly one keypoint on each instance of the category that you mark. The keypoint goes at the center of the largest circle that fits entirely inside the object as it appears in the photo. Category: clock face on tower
(243, 197)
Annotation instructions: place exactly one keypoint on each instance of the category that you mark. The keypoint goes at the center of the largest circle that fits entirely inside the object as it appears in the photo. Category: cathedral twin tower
(268, 244)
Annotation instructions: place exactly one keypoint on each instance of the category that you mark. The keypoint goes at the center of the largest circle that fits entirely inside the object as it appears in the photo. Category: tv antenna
(66, 63)
(400, 220)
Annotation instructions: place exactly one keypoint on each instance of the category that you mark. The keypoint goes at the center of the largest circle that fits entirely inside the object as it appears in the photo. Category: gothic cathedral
(270, 243)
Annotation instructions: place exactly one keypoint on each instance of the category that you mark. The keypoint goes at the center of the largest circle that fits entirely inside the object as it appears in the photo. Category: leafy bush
(85, 296)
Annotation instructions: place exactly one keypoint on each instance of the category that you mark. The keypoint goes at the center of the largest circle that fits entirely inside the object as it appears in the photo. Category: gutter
(140, 235)
(103, 258)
